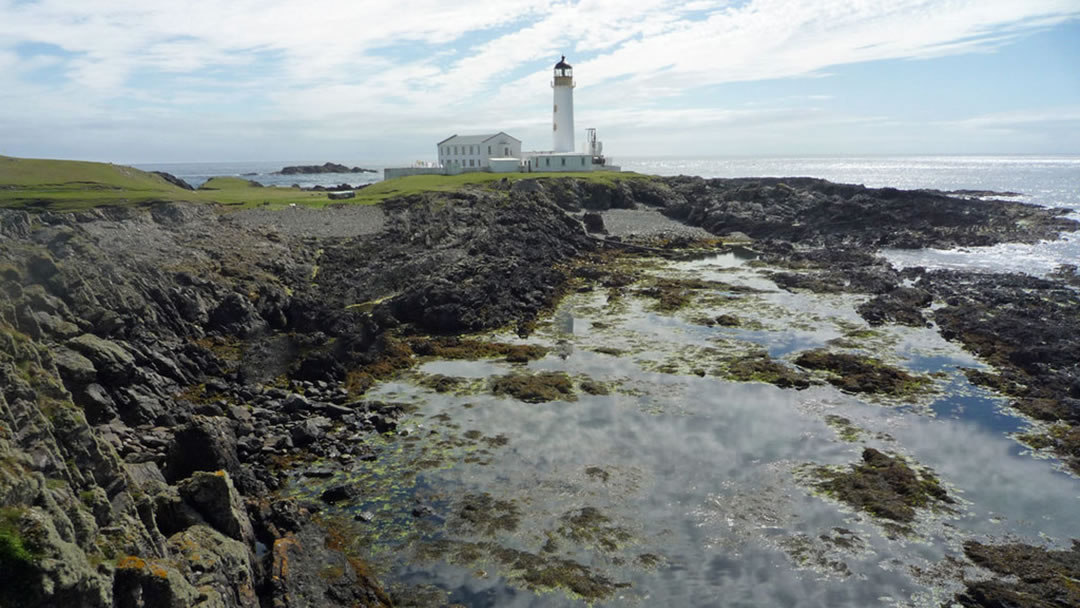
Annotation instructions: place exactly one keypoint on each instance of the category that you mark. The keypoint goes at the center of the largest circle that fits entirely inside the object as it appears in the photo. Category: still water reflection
(692, 485)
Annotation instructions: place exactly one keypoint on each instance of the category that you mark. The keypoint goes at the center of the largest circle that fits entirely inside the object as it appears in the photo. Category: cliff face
(158, 364)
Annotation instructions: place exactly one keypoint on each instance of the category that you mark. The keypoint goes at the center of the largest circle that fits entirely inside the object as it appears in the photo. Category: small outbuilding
(504, 165)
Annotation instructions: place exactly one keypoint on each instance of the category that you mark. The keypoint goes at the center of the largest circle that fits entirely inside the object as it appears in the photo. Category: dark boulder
(340, 492)
(205, 444)
(594, 223)
(236, 316)
(903, 306)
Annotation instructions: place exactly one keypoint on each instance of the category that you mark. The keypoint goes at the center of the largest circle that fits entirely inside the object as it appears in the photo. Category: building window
(547, 162)
(489, 149)
(506, 151)
(564, 161)
(471, 162)
(582, 161)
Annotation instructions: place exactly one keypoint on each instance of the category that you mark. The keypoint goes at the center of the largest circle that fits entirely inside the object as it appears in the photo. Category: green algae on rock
(453, 347)
(884, 486)
(535, 388)
(859, 374)
(673, 294)
(594, 387)
(485, 515)
(589, 527)
(824, 553)
(844, 428)
(538, 573)
(759, 367)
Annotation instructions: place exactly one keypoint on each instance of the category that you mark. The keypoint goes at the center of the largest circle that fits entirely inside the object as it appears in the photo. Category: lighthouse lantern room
(563, 114)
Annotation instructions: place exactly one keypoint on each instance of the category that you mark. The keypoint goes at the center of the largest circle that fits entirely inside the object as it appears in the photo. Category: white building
(465, 152)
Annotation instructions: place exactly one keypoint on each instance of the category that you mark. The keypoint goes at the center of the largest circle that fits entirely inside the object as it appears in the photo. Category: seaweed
(1036, 577)
(884, 486)
(860, 374)
(535, 388)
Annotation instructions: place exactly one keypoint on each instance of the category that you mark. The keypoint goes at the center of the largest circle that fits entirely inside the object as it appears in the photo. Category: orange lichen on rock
(337, 541)
(281, 556)
(131, 562)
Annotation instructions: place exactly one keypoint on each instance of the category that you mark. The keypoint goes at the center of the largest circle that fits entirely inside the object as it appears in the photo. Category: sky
(382, 81)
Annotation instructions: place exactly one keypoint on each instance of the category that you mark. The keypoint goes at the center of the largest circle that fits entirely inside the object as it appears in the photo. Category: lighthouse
(563, 114)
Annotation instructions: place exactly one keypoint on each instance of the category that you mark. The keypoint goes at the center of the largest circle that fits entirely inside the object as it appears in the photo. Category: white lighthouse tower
(563, 115)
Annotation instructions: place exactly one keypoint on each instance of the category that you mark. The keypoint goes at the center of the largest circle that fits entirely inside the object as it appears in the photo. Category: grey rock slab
(216, 499)
(75, 369)
(110, 359)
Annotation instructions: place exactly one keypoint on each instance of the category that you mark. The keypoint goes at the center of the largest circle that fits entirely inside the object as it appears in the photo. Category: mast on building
(563, 114)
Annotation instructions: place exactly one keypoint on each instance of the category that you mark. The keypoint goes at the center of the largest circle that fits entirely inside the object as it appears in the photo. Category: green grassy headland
(65, 185)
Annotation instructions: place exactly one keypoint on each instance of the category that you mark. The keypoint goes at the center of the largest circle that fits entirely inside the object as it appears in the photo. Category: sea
(1051, 181)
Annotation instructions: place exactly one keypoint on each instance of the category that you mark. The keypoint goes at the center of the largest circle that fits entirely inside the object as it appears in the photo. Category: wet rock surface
(884, 486)
(1035, 576)
(858, 374)
(817, 213)
(161, 367)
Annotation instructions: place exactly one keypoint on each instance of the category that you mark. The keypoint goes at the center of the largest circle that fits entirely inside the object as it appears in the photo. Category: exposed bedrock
(815, 212)
(158, 365)
(139, 431)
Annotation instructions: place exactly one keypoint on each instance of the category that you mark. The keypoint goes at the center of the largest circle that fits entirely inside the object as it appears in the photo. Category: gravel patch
(647, 222)
(337, 221)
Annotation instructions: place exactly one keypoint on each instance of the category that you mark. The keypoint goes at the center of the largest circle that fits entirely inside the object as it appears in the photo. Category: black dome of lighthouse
(562, 64)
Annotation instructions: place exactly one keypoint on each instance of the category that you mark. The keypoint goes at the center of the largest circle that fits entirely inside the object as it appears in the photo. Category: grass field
(64, 185)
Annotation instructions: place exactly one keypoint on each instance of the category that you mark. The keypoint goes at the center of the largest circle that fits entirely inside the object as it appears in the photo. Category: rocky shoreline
(161, 366)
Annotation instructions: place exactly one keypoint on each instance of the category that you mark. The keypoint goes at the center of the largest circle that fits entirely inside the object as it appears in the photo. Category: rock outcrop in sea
(160, 365)
(323, 168)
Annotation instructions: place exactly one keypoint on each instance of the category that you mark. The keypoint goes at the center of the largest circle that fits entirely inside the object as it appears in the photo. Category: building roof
(562, 63)
(475, 139)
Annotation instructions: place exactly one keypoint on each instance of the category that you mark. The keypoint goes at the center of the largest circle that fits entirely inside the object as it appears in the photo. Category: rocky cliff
(155, 362)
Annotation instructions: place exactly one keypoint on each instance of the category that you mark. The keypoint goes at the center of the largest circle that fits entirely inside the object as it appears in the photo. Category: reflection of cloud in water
(1030, 494)
(700, 469)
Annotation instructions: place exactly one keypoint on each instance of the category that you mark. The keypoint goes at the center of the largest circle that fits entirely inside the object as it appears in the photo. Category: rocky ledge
(160, 365)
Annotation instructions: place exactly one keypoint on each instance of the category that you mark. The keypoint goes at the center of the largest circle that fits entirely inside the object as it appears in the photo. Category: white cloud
(382, 67)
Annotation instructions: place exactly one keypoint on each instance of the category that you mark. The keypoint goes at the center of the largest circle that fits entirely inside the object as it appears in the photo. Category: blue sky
(204, 80)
